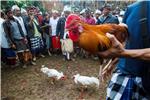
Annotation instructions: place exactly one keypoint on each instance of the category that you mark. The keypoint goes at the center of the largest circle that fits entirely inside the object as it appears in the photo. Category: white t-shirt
(3, 39)
(53, 24)
(120, 19)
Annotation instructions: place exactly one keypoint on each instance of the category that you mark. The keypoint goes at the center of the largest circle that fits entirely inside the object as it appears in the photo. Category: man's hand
(115, 51)
(25, 40)
(32, 17)
(13, 46)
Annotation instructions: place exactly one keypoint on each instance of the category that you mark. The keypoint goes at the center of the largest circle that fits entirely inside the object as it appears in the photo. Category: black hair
(2, 14)
(7, 9)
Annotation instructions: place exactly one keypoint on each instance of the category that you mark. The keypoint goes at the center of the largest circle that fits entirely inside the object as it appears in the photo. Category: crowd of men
(28, 33)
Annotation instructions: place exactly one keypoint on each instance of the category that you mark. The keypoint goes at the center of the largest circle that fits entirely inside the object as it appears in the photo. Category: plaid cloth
(125, 87)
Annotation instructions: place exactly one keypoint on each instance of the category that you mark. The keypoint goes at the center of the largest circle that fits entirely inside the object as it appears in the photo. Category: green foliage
(22, 4)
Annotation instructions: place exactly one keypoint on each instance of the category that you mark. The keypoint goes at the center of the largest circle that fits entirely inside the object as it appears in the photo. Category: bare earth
(31, 84)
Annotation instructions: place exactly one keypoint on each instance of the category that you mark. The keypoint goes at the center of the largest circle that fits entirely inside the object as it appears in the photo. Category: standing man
(126, 82)
(8, 55)
(61, 24)
(88, 17)
(18, 38)
(47, 33)
(17, 16)
(34, 34)
(53, 23)
(107, 17)
(60, 30)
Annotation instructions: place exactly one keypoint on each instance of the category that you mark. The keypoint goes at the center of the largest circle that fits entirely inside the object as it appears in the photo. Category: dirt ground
(31, 84)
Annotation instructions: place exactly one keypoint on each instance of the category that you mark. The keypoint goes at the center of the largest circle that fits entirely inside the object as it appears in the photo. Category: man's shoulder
(62, 18)
(1, 20)
(134, 5)
(113, 17)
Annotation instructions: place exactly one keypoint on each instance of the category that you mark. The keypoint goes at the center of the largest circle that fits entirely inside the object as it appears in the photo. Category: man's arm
(143, 54)
(117, 50)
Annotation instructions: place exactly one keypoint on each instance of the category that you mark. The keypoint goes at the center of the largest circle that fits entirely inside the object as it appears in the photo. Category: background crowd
(29, 33)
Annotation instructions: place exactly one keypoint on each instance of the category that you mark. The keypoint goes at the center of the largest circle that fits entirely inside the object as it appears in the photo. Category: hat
(107, 6)
(98, 11)
(87, 10)
(67, 8)
(122, 12)
(54, 11)
(83, 11)
(23, 10)
(76, 10)
(15, 7)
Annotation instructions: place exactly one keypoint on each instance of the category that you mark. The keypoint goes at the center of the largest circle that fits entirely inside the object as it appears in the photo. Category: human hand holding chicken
(117, 50)
(96, 35)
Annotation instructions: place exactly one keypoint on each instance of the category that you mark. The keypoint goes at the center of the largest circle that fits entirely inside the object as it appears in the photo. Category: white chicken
(85, 80)
(53, 73)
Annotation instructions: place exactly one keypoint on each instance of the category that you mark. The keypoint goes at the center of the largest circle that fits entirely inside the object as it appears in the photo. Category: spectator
(107, 17)
(34, 34)
(14, 30)
(39, 17)
(60, 30)
(88, 17)
(61, 24)
(120, 17)
(8, 55)
(24, 15)
(47, 33)
(53, 23)
(97, 15)
(17, 15)
(82, 13)
(126, 82)
(76, 11)
(23, 12)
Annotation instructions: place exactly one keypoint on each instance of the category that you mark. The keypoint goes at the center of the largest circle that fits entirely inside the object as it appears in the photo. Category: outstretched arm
(117, 50)
(143, 54)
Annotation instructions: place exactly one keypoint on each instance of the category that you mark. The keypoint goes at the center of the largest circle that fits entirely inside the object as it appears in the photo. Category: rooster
(53, 74)
(93, 38)
(85, 82)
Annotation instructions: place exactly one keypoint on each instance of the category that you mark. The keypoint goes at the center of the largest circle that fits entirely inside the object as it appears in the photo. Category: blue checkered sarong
(125, 87)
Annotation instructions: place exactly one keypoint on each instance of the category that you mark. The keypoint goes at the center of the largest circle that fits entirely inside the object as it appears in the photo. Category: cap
(15, 7)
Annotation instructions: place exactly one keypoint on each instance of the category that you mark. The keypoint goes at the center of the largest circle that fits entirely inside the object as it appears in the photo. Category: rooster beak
(73, 77)
(64, 78)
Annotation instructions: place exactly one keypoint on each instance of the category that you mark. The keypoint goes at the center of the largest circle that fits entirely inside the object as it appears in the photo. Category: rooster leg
(110, 67)
(100, 74)
(81, 93)
(107, 65)
(53, 81)
(101, 78)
